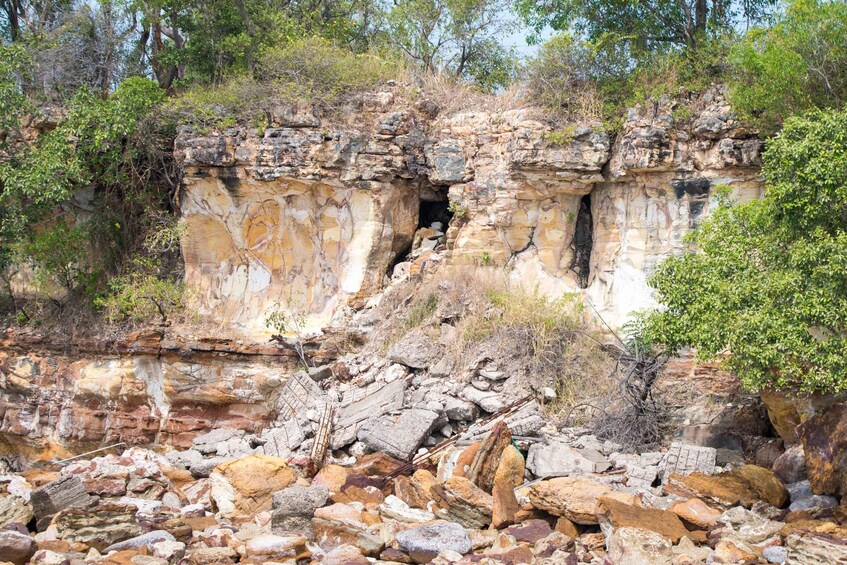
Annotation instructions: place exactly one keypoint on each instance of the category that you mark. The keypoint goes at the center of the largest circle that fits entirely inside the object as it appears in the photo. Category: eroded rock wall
(313, 214)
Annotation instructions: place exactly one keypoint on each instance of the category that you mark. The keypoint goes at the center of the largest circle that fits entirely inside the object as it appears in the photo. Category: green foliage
(561, 136)
(798, 64)
(459, 37)
(650, 26)
(60, 255)
(143, 296)
(766, 288)
(309, 70)
(459, 210)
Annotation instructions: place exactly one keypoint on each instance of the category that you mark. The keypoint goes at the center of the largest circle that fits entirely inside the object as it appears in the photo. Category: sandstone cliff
(314, 213)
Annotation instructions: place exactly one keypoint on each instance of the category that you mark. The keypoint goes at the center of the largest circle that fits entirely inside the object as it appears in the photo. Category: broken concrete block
(460, 410)
(61, 494)
(321, 373)
(210, 442)
(372, 402)
(557, 459)
(294, 507)
(281, 441)
(684, 459)
(400, 436)
(416, 350)
(489, 401)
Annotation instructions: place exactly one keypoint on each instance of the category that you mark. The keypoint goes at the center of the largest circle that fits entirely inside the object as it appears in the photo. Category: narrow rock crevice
(583, 242)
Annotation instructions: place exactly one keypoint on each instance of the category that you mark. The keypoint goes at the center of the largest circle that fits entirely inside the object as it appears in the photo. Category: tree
(644, 24)
(797, 64)
(460, 37)
(765, 289)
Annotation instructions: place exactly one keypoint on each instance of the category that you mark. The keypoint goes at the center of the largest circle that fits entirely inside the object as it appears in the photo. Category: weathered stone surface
(399, 436)
(684, 459)
(16, 547)
(488, 400)
(557, 459)
(246, 485)
(64, 493)
(824, 438)
(416, 491)
(697, 513)
(416, 350)
(459, 410)
(144, 540)
(341, 524)
(371, 402)
(790, 467)
(271, 546)
(815, 548)
(294, 507)
(486, 461)
(615, 514)
(744, 485)
(98, 527)
(572, 497)
(462, 501)
(15, 507)
(635, 546)
(423, 543)
(748, 526)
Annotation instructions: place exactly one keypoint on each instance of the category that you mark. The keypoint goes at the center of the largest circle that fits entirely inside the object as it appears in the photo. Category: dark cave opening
(583, 241)
(434, 209)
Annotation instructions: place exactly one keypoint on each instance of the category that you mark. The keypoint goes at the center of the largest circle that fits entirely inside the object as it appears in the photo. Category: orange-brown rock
(461, 501)
(369, 496)
(483, 468)
(333, 477)
(573, 497)
(505, 507)
(696, 512)
(340, 524)
(511, 468)
(743, 485)
(465, 459)
(824, 438)
(621, 515)
(530, 531)
(254, 480)
(566, 527)
(379, 465)
(728, 552)
(416, 491)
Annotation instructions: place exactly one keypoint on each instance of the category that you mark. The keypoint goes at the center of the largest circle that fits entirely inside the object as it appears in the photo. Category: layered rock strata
(313, 213)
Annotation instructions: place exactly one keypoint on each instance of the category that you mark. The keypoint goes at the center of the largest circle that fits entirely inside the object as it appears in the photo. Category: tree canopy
(765, 286)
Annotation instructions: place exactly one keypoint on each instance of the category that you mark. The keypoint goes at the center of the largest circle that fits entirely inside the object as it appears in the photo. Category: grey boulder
(400, 436)
(423, 543)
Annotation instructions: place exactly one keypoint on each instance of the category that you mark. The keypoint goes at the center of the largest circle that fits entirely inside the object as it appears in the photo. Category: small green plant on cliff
(459, 210)
(764, 288)
(561, 136)
(289, 326)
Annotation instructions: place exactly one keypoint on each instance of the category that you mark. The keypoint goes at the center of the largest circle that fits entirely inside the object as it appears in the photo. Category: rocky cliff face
(314, 214)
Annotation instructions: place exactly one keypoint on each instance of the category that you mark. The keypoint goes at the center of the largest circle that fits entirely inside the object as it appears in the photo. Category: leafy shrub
(798, 64)
(61, 254)
(765, 288)
(142, 297)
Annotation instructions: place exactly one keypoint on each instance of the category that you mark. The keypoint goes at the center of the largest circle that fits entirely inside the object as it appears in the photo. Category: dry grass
(548, 342)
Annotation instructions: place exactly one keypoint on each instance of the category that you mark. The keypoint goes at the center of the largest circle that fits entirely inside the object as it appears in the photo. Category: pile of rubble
(509, 491)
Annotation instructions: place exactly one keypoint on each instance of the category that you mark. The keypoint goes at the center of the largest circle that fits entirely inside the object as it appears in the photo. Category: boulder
(144, 540)
(813, 549)
(294, 507)
(332, 477)
(748, 526)
(744, 485)
(15, 509)
(269, 547)
(61, 494)
(399, 436)
(616, 514)
(416, 350)
(575, 498)
(461, 501)
(246, 485)
(824, 438)
(460, 410)
(509, 476)
(488, 400)
(557, 459)
(342, 524)
(636, 546)
(395, 509)
(98, 527)
(697, 513)
(790, 466)
(16, 547)
(416, 491)
(424, 543)
(486, 461)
